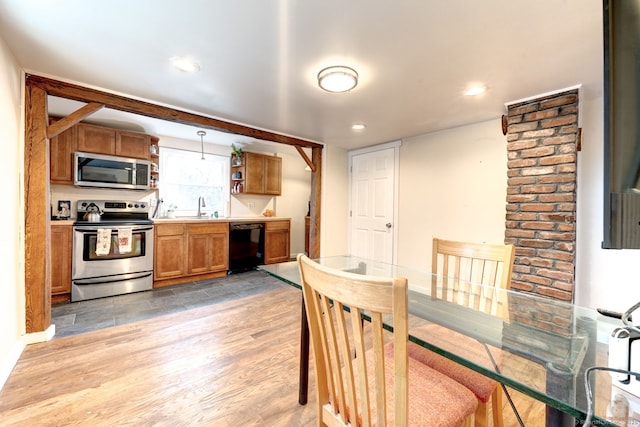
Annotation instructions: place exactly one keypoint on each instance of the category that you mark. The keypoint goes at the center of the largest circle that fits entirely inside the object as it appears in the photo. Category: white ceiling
(259, 58)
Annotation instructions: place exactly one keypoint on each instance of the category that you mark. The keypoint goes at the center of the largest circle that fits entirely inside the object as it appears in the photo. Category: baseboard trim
(41, 336)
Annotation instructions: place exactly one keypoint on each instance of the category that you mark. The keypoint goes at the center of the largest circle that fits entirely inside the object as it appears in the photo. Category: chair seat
(463, 346)
(434, 399)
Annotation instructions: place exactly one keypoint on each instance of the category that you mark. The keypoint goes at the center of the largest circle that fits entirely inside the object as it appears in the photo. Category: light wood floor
(229, 364)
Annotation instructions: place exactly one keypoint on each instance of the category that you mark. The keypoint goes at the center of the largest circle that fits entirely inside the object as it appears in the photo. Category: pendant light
(202, 134)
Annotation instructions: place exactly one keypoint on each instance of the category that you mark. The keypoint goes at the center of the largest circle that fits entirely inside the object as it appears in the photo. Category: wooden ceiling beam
(55, 129)
(306, 159)
(121, 103)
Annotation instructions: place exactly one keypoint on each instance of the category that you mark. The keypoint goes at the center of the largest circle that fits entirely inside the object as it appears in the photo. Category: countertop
(192, 219)
(230, 219)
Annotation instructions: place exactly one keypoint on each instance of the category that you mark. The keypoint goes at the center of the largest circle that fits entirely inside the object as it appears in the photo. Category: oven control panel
(113, 206)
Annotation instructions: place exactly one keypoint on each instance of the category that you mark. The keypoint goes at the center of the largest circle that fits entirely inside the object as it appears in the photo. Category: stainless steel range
(112, 249)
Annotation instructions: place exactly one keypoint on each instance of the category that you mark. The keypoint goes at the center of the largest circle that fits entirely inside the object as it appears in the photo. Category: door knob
(388, 225)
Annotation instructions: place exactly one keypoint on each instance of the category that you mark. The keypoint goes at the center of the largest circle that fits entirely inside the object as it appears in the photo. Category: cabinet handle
(388, 225)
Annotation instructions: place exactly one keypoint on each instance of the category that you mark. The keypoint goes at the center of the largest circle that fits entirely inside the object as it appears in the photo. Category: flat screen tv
(621, 124)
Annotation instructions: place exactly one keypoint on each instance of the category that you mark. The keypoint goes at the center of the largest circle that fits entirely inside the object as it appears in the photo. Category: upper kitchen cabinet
(256, 174)
(113, 142)
(62, 148)
(272, 175)
(96, 139)
(133, 144)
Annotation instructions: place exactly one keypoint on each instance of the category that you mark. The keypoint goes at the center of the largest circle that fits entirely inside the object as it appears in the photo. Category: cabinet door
(208, 248)
(272, 175)
(276, 242)
(61, 149)
(60, 254)
(220, 251)
(170, 251)
(133, 144)
(254, 169)
(96, 139)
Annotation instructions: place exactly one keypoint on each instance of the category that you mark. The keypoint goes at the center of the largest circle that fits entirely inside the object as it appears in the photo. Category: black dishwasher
(246, 246)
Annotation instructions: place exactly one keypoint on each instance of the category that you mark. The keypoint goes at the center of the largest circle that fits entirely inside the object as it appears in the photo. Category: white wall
(12, 305)
(453, 185)
(335, 202)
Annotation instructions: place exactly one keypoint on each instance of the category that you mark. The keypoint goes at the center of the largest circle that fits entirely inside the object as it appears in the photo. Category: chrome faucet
(201, 204)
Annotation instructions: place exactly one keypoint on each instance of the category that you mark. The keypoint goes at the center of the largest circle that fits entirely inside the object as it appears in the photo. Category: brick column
(542, 141)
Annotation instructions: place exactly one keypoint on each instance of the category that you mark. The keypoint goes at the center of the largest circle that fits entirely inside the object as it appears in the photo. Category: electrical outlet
(251, 205)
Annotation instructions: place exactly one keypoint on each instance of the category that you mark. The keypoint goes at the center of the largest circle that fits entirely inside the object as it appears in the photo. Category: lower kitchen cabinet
(277, 241)
(190, 251)
(208, 248)
(60, 253)
(170, 254)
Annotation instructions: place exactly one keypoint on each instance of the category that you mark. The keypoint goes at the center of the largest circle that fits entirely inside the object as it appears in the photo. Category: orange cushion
(463, 346)
(434, 399)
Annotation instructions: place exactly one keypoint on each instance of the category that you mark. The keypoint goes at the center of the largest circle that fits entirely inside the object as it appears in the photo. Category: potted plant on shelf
(237, 155)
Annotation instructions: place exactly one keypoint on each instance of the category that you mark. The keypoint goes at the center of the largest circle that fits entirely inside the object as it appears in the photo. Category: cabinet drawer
(170, 229)
(276, 225)
(209, 228)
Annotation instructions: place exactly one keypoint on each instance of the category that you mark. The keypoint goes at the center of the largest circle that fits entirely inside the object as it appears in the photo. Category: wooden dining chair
(458, 268)
(360, 381)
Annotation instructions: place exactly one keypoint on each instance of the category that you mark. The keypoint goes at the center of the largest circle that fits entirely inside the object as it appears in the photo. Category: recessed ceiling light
(185, 64)
(475, 90)
(337, 78)
(358, 126)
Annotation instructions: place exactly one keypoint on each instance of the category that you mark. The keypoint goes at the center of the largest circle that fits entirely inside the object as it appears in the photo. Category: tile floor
(84, 316)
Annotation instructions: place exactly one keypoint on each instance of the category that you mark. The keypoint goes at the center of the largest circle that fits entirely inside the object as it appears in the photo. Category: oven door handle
(112, 279)
(114, 229)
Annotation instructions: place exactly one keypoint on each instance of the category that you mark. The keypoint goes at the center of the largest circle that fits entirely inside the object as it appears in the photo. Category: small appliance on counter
(112, 249)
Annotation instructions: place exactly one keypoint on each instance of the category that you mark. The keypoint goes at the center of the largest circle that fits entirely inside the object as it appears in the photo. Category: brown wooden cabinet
(258, 174)
(208, 247)
(170, 251)
(132, 144)
(96, 139)
(60, 253)
(62, 148)
(272, 175)
(277, 241)
(190, 251)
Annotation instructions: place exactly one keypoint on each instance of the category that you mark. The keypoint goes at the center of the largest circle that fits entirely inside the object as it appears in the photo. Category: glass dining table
(546, 345)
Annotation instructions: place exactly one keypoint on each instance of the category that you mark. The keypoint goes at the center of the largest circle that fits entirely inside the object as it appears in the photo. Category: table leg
(560, 383)
(303, 389)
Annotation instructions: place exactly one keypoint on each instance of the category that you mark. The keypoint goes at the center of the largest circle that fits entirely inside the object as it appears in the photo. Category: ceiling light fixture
(337, 78)
(185, 64)
(475, 90)
(202, 134)
(358, 126)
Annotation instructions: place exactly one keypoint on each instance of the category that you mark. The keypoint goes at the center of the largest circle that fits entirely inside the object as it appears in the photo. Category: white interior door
(373, 202)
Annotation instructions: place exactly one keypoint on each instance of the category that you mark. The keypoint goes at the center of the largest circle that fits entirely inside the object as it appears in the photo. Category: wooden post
(37, 206)
(316, 191)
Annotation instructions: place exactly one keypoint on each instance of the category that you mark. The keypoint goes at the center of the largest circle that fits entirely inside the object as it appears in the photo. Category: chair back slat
(352, 390)
(473, 264)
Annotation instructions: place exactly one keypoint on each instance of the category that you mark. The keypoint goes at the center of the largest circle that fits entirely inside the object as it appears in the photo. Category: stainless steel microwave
(97, 170)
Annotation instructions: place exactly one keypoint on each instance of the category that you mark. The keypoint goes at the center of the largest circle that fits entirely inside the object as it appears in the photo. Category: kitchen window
(185, 176)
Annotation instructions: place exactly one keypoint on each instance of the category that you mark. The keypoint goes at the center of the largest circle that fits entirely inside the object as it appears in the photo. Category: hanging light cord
(202, 134)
